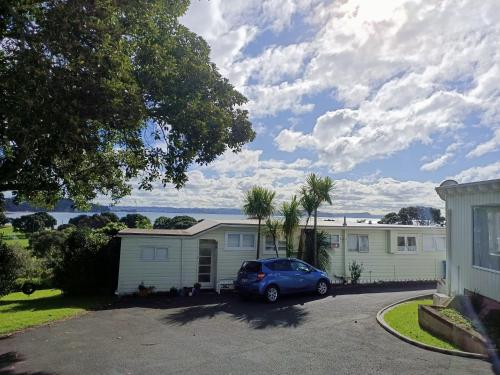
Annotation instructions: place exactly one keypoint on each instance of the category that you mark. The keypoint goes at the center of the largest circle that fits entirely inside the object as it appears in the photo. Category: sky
(389, 98)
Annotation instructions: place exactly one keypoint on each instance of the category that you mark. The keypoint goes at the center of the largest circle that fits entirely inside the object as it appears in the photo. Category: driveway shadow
(257, 314)
(8, 361)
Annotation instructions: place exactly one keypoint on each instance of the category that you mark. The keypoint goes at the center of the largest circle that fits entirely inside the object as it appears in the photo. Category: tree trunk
(302, 241)
(315, 239)
(276, 248)
(258, 239)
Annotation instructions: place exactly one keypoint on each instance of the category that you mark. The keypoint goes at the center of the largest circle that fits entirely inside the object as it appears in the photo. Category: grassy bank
(8, 235)
(18, 311)
(404, 319)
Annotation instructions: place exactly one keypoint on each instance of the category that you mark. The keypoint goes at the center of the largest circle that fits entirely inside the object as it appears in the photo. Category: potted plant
(196, 289)
(173, 292)
(145, 290)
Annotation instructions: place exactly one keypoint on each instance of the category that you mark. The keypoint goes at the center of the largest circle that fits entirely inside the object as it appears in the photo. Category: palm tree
(259, 204)
(307, 201)
(273, 228)
(291, 217)
(320, 188)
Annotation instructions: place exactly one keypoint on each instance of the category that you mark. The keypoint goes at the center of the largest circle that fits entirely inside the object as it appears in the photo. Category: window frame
(358, 248)
(406, 246)
(433, 248)
(482, 267)
(241, 247)
(270, 248)
(332, 243)
(155, 252)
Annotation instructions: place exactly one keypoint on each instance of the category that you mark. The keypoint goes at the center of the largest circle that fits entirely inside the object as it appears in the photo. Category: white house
(214, 250)
(473, 233)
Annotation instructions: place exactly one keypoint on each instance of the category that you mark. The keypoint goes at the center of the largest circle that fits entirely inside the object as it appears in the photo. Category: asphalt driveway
(337, 334)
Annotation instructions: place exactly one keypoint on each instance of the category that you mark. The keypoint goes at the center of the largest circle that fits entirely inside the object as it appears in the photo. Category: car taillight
(261, 275)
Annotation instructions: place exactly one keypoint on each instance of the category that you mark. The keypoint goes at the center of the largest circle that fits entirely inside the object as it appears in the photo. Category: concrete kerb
(381, 321)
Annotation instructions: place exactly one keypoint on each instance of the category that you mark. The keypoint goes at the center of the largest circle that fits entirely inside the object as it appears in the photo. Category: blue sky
(389, 98)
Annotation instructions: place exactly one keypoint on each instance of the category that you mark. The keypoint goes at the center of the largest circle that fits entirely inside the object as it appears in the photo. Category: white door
(206, 262)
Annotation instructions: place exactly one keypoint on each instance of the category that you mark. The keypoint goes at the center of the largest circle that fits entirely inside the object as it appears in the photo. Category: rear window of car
(251, 267)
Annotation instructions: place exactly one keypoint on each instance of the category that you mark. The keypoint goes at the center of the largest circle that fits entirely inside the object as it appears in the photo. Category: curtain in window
(486, 232)
(363, 243)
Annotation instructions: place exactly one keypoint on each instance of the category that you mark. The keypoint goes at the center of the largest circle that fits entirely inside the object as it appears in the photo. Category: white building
(473, 233)
(214, 250)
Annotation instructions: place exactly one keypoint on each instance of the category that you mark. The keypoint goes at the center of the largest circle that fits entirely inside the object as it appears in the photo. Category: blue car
(271, 278)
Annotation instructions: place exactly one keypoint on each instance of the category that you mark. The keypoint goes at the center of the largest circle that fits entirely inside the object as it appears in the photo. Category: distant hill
(227, 211)
(64, 205)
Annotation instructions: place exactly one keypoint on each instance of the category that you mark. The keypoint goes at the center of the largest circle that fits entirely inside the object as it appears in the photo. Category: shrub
(323, 244)
(66, 227)
(11, 267)
(111, 216)
(356, 269)
(112, 228)
(182, 222)
(3, 219)
(34, 222)
(136, 221)
(95, 221)
(88, 263)
(45, 243)
(162, 222)
(38, 282)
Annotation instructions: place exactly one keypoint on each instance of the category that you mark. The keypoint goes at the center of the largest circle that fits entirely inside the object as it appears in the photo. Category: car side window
(299, 266)
(280, 265)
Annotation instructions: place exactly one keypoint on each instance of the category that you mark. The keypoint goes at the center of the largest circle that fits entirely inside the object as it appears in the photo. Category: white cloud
(442, 160)
(492, 145)
(377, 194)
(485, 172)
(410, 72)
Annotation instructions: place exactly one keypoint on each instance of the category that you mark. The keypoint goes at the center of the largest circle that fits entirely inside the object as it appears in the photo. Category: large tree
(259, 204)
(95, 93)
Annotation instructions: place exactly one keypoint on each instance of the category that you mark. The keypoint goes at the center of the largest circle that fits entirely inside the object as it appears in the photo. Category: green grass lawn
(404, 319)
(18, 311)
(9, 236)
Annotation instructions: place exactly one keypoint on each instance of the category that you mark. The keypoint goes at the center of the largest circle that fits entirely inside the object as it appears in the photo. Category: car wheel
(272, 294)
(322, 287)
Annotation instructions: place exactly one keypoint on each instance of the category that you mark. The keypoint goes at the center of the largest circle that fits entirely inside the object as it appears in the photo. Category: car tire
(272, 294)
(322, 287)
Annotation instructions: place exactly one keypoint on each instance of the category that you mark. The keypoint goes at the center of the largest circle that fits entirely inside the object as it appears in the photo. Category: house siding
(383, 262)
(181, 269)
(461, 272)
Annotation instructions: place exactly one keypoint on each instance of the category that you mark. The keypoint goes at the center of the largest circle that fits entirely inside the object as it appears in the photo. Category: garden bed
(403, 318)
(451, 326)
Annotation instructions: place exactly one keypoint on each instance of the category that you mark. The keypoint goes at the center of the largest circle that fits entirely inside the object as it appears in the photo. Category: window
(407, 243)
(334, 241)
(358, 242)
(486, 237)
(270, 245)
(434, 243)
(241, 241)
(279, 265)
(148, 253)
(300, 266)
(233, 240)
(248, 240)
(154, 254)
